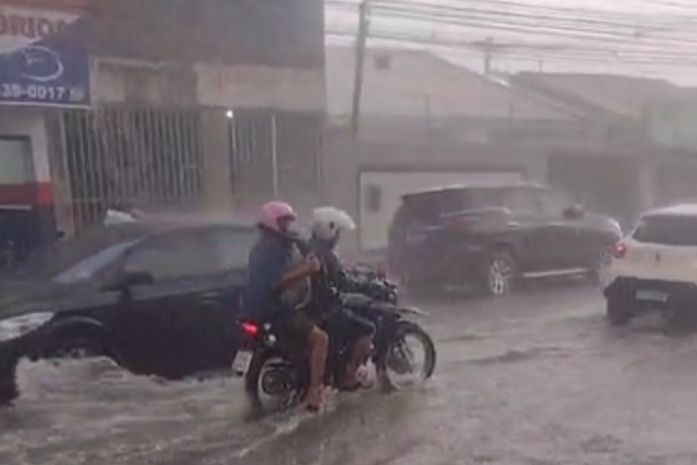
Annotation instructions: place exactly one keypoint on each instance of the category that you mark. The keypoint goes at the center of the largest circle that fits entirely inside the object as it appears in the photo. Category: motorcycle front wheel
(273, 383)
(409, 359)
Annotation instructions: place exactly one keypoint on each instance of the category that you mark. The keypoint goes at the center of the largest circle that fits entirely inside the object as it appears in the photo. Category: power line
(533, 55)
(475, 19)
(653, 48)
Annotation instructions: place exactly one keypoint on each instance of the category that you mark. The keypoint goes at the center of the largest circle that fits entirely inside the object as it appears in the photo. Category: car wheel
(618, 310)
(80, 343)
(8, 380)
(500, 273)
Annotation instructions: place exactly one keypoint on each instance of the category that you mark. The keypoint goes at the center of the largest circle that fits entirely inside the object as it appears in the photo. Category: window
(232, 246)
(373, 198)
(15, 160)
(669, 230)
(88, 268)
(193, 253)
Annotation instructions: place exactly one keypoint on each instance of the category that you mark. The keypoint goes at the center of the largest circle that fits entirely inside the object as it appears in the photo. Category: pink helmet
(273, 215)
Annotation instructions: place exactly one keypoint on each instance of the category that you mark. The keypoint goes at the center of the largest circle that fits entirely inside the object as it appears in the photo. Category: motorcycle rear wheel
(274, 383)
(398, 358)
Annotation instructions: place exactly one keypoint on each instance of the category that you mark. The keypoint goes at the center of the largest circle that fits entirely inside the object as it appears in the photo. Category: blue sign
(43, 59)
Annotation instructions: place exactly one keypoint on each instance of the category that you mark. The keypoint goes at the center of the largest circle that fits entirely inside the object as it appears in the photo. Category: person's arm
(335, 271)
(296, 275)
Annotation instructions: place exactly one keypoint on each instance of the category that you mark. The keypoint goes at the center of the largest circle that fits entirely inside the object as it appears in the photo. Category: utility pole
(361, 39)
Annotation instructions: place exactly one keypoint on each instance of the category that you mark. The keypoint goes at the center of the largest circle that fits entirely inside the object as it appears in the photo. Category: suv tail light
(250, 329)
(619, 250)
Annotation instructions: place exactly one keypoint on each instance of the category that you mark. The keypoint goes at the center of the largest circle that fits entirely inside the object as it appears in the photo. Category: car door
(529, 230)
(155, 320)
(208, 323)
(563, 233)
(82, 295)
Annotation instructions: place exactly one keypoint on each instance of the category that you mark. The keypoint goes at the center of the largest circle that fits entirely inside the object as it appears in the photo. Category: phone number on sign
(41, 92)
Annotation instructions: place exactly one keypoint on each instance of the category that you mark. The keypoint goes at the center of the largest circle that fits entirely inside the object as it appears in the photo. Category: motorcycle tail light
(250, 329)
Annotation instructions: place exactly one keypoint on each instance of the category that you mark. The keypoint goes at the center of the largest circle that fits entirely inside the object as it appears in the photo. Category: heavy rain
(348, 232)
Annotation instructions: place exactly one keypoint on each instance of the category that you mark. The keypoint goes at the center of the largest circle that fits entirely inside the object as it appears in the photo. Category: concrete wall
(200, 84)
(281, 34)
(345, 156)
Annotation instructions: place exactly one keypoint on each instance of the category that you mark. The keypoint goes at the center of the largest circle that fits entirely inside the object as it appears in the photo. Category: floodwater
(533, 379)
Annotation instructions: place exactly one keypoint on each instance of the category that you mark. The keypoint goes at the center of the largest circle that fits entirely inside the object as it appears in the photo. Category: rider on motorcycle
(276, 270)
(327, 225)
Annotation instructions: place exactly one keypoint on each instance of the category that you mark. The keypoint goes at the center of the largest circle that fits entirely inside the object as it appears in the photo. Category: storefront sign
(43, 59)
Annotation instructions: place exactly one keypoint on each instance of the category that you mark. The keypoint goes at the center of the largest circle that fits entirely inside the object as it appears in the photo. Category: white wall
(31, 123)
(261, 87)
(217, 86)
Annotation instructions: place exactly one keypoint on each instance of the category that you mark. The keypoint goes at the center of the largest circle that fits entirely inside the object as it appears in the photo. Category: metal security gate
(130, 156)
(274, 153)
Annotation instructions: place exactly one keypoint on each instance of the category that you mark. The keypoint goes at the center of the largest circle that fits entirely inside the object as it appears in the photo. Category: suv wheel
(500, 273)
(618, 310)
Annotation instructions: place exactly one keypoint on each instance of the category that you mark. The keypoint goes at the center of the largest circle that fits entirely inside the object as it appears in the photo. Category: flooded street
(534, 379)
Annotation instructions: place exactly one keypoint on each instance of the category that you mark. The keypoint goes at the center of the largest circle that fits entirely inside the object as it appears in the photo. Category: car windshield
(94, 247)
(668, 230)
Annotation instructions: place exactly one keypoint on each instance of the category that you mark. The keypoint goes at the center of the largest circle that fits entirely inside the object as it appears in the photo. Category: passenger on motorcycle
(277, 273)
(343, 325)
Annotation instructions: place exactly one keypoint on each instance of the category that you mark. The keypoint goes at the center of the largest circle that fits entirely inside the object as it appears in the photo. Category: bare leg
(319, 341)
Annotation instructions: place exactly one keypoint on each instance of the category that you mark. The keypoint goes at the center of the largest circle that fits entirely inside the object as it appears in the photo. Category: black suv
(491, 236)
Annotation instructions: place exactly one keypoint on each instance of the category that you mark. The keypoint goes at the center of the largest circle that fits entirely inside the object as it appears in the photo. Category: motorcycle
(277, 376)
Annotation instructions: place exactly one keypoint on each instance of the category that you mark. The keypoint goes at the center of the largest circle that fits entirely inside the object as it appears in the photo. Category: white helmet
(328, 222)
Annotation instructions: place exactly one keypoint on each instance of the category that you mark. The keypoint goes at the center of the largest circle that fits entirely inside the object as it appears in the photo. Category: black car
(159, 298)
(491, 236)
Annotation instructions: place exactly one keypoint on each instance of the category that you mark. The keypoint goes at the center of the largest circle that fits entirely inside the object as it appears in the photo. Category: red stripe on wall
(49, 4)
(38, 193)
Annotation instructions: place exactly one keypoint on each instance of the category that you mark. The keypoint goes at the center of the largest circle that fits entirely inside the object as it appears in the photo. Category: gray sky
(639, 37)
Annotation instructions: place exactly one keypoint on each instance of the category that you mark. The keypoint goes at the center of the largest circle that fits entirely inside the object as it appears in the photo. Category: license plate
(652, 296)
(240, 365)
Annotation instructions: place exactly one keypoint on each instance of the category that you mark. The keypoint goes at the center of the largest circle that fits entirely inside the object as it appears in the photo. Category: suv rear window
(429, 205)
(669, 230)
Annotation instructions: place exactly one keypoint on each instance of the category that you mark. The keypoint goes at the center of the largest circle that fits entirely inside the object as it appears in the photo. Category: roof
(418, 84)
(683, 209)
(620, 95)
(513, 185)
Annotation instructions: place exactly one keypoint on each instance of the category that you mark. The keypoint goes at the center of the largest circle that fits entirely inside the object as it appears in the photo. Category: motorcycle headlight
(18, 326)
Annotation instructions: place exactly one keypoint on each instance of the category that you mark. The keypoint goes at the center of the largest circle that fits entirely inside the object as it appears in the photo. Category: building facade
(425, 123)
(163, 105)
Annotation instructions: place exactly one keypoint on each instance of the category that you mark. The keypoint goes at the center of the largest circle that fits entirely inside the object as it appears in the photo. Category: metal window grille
(142, 157)
(274, 153)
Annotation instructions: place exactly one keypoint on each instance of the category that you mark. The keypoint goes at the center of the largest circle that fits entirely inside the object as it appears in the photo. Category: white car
(655, 266)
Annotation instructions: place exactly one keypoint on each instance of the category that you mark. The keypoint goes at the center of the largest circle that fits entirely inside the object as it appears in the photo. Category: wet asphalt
(536, 379)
